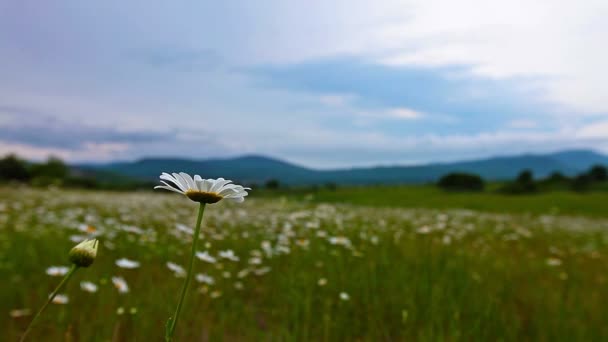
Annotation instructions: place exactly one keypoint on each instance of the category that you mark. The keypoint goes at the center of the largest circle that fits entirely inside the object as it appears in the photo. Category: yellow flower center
(203, 197)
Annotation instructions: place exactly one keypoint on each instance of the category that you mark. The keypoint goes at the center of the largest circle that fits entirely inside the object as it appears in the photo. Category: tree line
(594, 178)
(54, 172)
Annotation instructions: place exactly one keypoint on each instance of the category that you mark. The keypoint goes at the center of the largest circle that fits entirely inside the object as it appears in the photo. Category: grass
(410, 274)
(422, 196)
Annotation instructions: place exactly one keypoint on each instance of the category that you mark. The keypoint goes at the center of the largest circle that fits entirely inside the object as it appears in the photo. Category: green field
(427, 196)
(359, 264)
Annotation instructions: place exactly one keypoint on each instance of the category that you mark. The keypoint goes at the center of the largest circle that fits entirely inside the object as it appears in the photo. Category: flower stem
(51, 297)
(173, 320)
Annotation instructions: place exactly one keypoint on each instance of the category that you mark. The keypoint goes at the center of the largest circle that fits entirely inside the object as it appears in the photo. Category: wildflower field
(294, 269)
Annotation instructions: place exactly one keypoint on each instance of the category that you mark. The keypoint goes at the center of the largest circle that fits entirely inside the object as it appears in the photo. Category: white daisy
(61, 299)
(121, 284)
(88, 286)
(344, 296)
(126, 263)
(177, 269)
(202, 190)
(205, 256)
(203, 278)
(57, 271)
(229, 254)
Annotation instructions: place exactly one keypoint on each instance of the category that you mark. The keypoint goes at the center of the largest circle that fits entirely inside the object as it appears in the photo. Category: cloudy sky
(320, 83)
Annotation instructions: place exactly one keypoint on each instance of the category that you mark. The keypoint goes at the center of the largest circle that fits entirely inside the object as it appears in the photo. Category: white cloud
(336, 100)
(597, 130)
(404, 113)
(522, 123)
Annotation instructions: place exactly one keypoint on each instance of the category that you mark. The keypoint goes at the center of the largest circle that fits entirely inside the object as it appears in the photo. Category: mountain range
(259, 169)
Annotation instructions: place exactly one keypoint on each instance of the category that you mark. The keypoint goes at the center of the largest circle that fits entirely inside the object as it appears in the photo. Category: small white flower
(202, 190)
(203, 278)
(16, 313)
(177, 269)
(262, 271)
(88, 286)
(340, 240)
(57, 271)
(121, 284)
(126, 263)
(229, 254)
(205, 256)
(60, 299)
(344, 296)
(424, 230)
(322, 282)
(553, 262)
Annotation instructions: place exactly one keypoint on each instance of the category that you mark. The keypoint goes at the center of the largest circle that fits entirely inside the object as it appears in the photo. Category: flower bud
(83, 254)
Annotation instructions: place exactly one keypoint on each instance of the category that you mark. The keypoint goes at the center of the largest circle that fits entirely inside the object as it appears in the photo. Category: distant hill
(259, 169)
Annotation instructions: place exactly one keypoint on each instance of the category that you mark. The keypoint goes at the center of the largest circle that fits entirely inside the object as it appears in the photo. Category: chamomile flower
(205, 256)
(88, 286)
(201, 190)
(57, 271)
(203, 278)
(126, 263)
(61, 299)
(121, 284)
(178, 271)
(229, 254)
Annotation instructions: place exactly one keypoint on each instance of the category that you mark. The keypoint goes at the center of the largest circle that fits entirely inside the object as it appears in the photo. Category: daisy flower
(229, 254)
(202, 190)
(177, 269)
(120, 284)
(203, 278)
(88, 286)
(126, 263)
(205, 256)
(57, 271)
(60, 299)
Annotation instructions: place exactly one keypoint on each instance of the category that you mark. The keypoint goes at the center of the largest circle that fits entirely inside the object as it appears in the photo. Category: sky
(324, 84)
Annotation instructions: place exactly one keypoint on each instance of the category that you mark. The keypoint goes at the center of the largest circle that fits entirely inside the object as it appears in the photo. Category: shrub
(458, 181)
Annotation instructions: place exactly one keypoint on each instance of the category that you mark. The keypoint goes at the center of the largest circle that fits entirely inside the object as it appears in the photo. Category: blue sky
(321, 83)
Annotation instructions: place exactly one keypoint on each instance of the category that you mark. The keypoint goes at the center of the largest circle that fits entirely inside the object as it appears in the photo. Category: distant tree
(524, 183)
(53, 168)
(331, 186)
(556, 177)
(53, 172)
(581, 182)
(273, 184)
(525, 177)
(458, 181)
(13, 168)
(598, 173)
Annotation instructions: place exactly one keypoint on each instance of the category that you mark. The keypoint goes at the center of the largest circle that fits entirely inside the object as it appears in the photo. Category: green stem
(51, 297)
(173, 321)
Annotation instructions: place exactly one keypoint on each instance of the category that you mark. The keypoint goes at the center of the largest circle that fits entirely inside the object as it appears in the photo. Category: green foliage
(459, 181)
(53, 168)
(523, 184)
(54, 172)
(272, 184)
(13, 169)
(598, 173)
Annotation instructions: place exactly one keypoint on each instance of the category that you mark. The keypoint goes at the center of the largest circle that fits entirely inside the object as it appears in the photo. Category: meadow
(360, 264)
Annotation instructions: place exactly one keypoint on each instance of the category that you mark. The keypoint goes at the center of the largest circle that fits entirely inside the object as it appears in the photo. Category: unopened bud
(83, 254)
